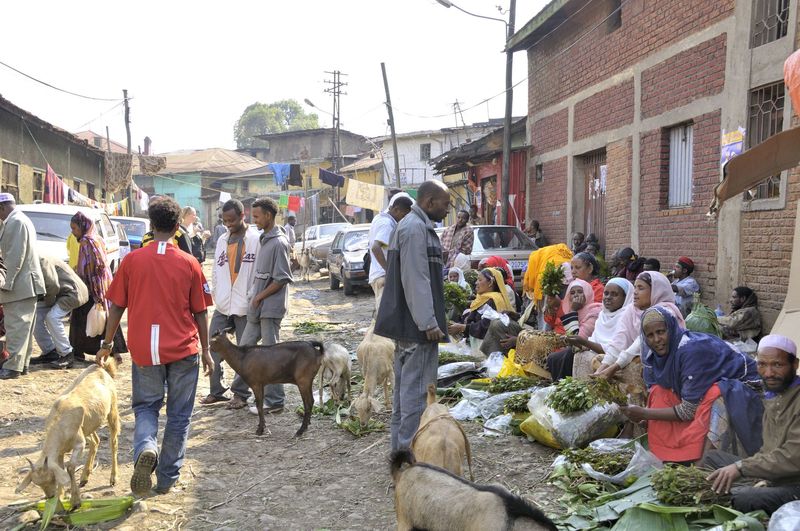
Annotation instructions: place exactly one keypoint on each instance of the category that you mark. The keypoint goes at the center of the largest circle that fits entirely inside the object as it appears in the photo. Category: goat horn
(29, 462)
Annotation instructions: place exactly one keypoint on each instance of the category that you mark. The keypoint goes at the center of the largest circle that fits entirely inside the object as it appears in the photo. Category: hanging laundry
(328, 177)
(144, 200)
(281, 172)
(54, 188)
(118, 171)
(295, 179)
(302, 202)
(283, 202)
(294, 203)
(150, 164)
(365, 195)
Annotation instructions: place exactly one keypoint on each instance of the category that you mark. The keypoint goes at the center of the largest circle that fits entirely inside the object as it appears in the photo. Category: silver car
(319, 238)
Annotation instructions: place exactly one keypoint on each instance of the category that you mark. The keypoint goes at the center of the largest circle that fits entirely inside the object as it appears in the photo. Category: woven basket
(533, 347)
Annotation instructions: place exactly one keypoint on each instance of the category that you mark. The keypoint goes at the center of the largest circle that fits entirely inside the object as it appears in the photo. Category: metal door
(595, 174)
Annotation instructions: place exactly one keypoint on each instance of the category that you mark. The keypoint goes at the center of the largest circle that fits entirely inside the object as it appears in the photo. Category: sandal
(211, 399)
(236, 403)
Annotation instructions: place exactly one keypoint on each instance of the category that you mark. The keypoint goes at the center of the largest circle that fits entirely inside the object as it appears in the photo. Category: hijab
(496, 261)
(461, 280)
(462, 262)
(499, 297)
(92, 266)
(607, 321)
(590, 310)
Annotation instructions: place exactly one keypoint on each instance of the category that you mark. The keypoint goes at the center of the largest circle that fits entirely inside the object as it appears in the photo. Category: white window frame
(681, 160)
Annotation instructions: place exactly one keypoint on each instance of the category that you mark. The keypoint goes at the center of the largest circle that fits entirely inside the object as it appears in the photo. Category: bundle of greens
(471, 277)
(310, 327)
(685, 486)
(328, 408)
(355, 428)
(446, 357)
(455, 299)
(552, 279)
(703, 319)
(511, 383)
(517, 403)
(610, 464)
(572, 396)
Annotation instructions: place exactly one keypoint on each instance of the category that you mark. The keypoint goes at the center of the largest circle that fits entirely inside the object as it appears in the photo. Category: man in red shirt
(166, 295)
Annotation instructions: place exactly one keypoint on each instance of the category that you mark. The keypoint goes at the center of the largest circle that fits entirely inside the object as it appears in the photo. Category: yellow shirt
(73, 247)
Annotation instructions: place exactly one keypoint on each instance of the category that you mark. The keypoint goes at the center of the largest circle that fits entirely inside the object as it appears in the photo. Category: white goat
(89, 403)
(335, 370)
(305, 263)
(376, 357)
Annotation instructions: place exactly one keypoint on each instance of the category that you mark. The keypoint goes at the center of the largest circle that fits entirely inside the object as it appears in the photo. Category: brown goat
(440, 440)
(293, 362)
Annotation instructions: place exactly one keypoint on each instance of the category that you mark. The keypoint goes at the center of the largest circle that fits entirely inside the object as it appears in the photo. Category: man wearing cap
(684, 285)
(380, 232)
(777, 464)
(21, 284)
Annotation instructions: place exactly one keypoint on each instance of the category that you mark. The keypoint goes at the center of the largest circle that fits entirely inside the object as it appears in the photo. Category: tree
(264, 118)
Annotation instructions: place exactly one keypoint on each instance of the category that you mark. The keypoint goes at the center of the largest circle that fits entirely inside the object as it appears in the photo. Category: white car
(52, 224)
(319, 239)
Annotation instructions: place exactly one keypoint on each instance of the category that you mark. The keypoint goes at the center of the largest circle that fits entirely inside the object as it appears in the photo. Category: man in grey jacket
(412, 307)
(269, 296)
(21, 286)
(64, 291)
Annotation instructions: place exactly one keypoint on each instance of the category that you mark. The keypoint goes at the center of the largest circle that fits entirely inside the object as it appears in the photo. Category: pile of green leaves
(510, 383)
(90, 512)
(354, 426)
(329, 408)
(552, 279)
(446, 357)
(610, 464)
(572, 396)
(310, 327)
(471, 277)
(517, 403)
(685, 486)
(455, 298)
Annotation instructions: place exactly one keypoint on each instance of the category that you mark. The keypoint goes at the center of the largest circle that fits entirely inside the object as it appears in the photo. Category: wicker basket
(533, 347)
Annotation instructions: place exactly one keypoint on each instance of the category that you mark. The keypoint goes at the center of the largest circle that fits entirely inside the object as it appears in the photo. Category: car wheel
(334, 281)
(349, 289)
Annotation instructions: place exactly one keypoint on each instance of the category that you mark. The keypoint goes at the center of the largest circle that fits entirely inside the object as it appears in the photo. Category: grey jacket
(413, 296)
(272, 264)
(63, 286)
(23, 279)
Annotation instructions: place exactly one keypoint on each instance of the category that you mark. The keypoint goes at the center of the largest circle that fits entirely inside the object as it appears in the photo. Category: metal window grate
(539, 173)
(424, 152)
(681, 142)
(765, 118)
(770, 21)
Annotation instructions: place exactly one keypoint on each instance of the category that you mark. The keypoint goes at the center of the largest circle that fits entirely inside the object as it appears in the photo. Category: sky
(192, 67)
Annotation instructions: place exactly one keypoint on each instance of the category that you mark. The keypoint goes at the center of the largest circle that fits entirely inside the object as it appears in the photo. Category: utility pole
(128, 133)
(505, 176)
(336, 89)
(391, 126)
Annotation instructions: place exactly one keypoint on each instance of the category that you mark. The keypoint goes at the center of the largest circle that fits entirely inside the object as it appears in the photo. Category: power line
(46, 84)
(100, 116)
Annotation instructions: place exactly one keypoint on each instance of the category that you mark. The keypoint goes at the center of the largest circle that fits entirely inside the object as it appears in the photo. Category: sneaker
(277, 410)
(45, 358)
(63, 362)
(141, 480)
(8, 374)
(162, 490)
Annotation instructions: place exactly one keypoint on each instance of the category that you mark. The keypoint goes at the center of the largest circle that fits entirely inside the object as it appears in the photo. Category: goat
(72, 424)
(293, 362)
(376, 357)
(440, 440)
(305, 263)
(432, 498)
(336, 370)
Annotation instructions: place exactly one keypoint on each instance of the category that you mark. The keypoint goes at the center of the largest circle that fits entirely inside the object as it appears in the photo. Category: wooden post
(391, 126)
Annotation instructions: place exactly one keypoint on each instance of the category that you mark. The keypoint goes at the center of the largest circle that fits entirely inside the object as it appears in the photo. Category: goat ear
(25, 481)
(376, 406)
(62, 478)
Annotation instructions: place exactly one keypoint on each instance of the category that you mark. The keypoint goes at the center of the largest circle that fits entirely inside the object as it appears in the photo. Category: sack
(96, 321)
(703, 319)
(641, 463)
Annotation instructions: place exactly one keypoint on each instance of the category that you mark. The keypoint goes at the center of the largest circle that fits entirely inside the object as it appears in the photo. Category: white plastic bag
(787, 518)
(641, 462)
(465, 410)
(96, 321)
(500, 425)
(493, 405)
(457, 367)
(747, 347)
(459, 349)
(493, 364)
(487, 312)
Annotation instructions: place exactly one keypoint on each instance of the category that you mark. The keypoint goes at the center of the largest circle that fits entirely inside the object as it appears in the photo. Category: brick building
(632, 106)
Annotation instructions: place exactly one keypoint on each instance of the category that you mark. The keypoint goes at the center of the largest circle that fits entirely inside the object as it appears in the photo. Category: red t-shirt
(162, 287)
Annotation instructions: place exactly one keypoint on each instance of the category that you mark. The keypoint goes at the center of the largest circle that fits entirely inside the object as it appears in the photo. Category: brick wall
(550, 132)
(647, 26)
(608, 109)
(667, 233)
(548, 199)
(684, 77)
(618, 199)
(766, 240)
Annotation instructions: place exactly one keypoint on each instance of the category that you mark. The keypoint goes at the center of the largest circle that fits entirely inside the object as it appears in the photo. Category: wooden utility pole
(505, 176)
(128, 133)
(391, 126)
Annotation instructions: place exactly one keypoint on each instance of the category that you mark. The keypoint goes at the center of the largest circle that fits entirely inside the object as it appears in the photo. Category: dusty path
(232, 479)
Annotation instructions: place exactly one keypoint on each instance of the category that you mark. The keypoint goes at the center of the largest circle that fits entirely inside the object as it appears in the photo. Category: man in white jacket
(231, 277)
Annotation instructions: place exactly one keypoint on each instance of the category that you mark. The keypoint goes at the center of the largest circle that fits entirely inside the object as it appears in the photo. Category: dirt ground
(231, 478)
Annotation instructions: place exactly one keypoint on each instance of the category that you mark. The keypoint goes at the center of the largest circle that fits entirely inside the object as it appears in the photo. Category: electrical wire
(101, 115)
(56, 88)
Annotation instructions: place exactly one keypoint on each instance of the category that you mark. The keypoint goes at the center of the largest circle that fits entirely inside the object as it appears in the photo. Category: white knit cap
(6, 197)
(397, 196)
(780, 342)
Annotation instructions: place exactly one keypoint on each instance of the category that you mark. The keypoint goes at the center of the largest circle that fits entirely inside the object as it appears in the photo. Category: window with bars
(77, 186)
(681, 143)
(90, 191)
(770, 21)
(765, 118)
(424, 152)
(38, 185)
(539, 173)
(10, 179)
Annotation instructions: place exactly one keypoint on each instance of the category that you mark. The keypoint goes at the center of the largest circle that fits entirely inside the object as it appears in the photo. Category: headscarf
(607, 321)
(588, 314)
(496, 261)
(462, 262)
(461, 280)
(629, 324)
(558, 254)
(500, 297)
(92, 265)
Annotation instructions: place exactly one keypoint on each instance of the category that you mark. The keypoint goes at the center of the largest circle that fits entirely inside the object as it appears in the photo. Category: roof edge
(518, 41)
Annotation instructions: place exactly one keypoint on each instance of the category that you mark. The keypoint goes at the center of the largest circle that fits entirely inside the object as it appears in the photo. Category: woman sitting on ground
(626, 264)
(586, 267)
(686, 373)
(744, 322)
(490, 295)
(456, 276)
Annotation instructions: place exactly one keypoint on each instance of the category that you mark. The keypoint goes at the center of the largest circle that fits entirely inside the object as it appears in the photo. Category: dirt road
(232, 479)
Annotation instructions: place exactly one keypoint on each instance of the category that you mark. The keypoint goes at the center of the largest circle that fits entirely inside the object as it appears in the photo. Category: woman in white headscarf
(456, 275)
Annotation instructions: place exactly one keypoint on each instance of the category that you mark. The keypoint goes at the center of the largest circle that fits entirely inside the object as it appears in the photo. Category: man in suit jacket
(21, 287)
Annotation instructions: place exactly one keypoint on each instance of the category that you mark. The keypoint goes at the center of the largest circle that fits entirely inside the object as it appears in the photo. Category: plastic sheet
(500, 425)
(787, 518)
(641, 462)
(454, 368)
(493, 364)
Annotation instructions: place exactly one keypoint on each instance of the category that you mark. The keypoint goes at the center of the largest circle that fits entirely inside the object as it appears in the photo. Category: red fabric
(598, 288)
(675, 440)
(53, 188)
(555, 322)
(161, 292)
(791, 76)
(294, 203)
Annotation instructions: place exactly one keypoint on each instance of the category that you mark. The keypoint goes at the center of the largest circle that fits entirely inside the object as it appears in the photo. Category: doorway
(595, 174)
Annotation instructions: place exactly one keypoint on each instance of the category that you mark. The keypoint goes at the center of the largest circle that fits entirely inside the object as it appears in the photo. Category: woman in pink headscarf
(579, 314)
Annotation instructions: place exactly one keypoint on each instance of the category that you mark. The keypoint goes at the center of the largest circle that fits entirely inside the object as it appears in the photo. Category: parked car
(52, 223)
(135, 228)
(346, 258)
(319, 238)
(505, 241)
(124, 240)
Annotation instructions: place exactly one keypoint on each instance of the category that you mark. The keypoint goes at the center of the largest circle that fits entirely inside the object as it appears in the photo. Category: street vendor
(697, 384)
(490, 295)
(778, 461)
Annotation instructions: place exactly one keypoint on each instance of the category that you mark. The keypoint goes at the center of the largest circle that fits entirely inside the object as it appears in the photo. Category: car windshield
(510, 238)
(356, 241)
(331, 230)
(133, 227)
(50, 227)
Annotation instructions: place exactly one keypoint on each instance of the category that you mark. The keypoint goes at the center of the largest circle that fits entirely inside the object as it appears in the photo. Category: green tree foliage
(264, 118)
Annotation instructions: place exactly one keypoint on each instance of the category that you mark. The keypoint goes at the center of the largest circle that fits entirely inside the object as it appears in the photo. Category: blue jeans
(269, 330)
(147, 383)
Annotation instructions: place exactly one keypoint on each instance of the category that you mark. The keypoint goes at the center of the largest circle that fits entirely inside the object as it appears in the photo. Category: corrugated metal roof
(213, 160)
(366, 163)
